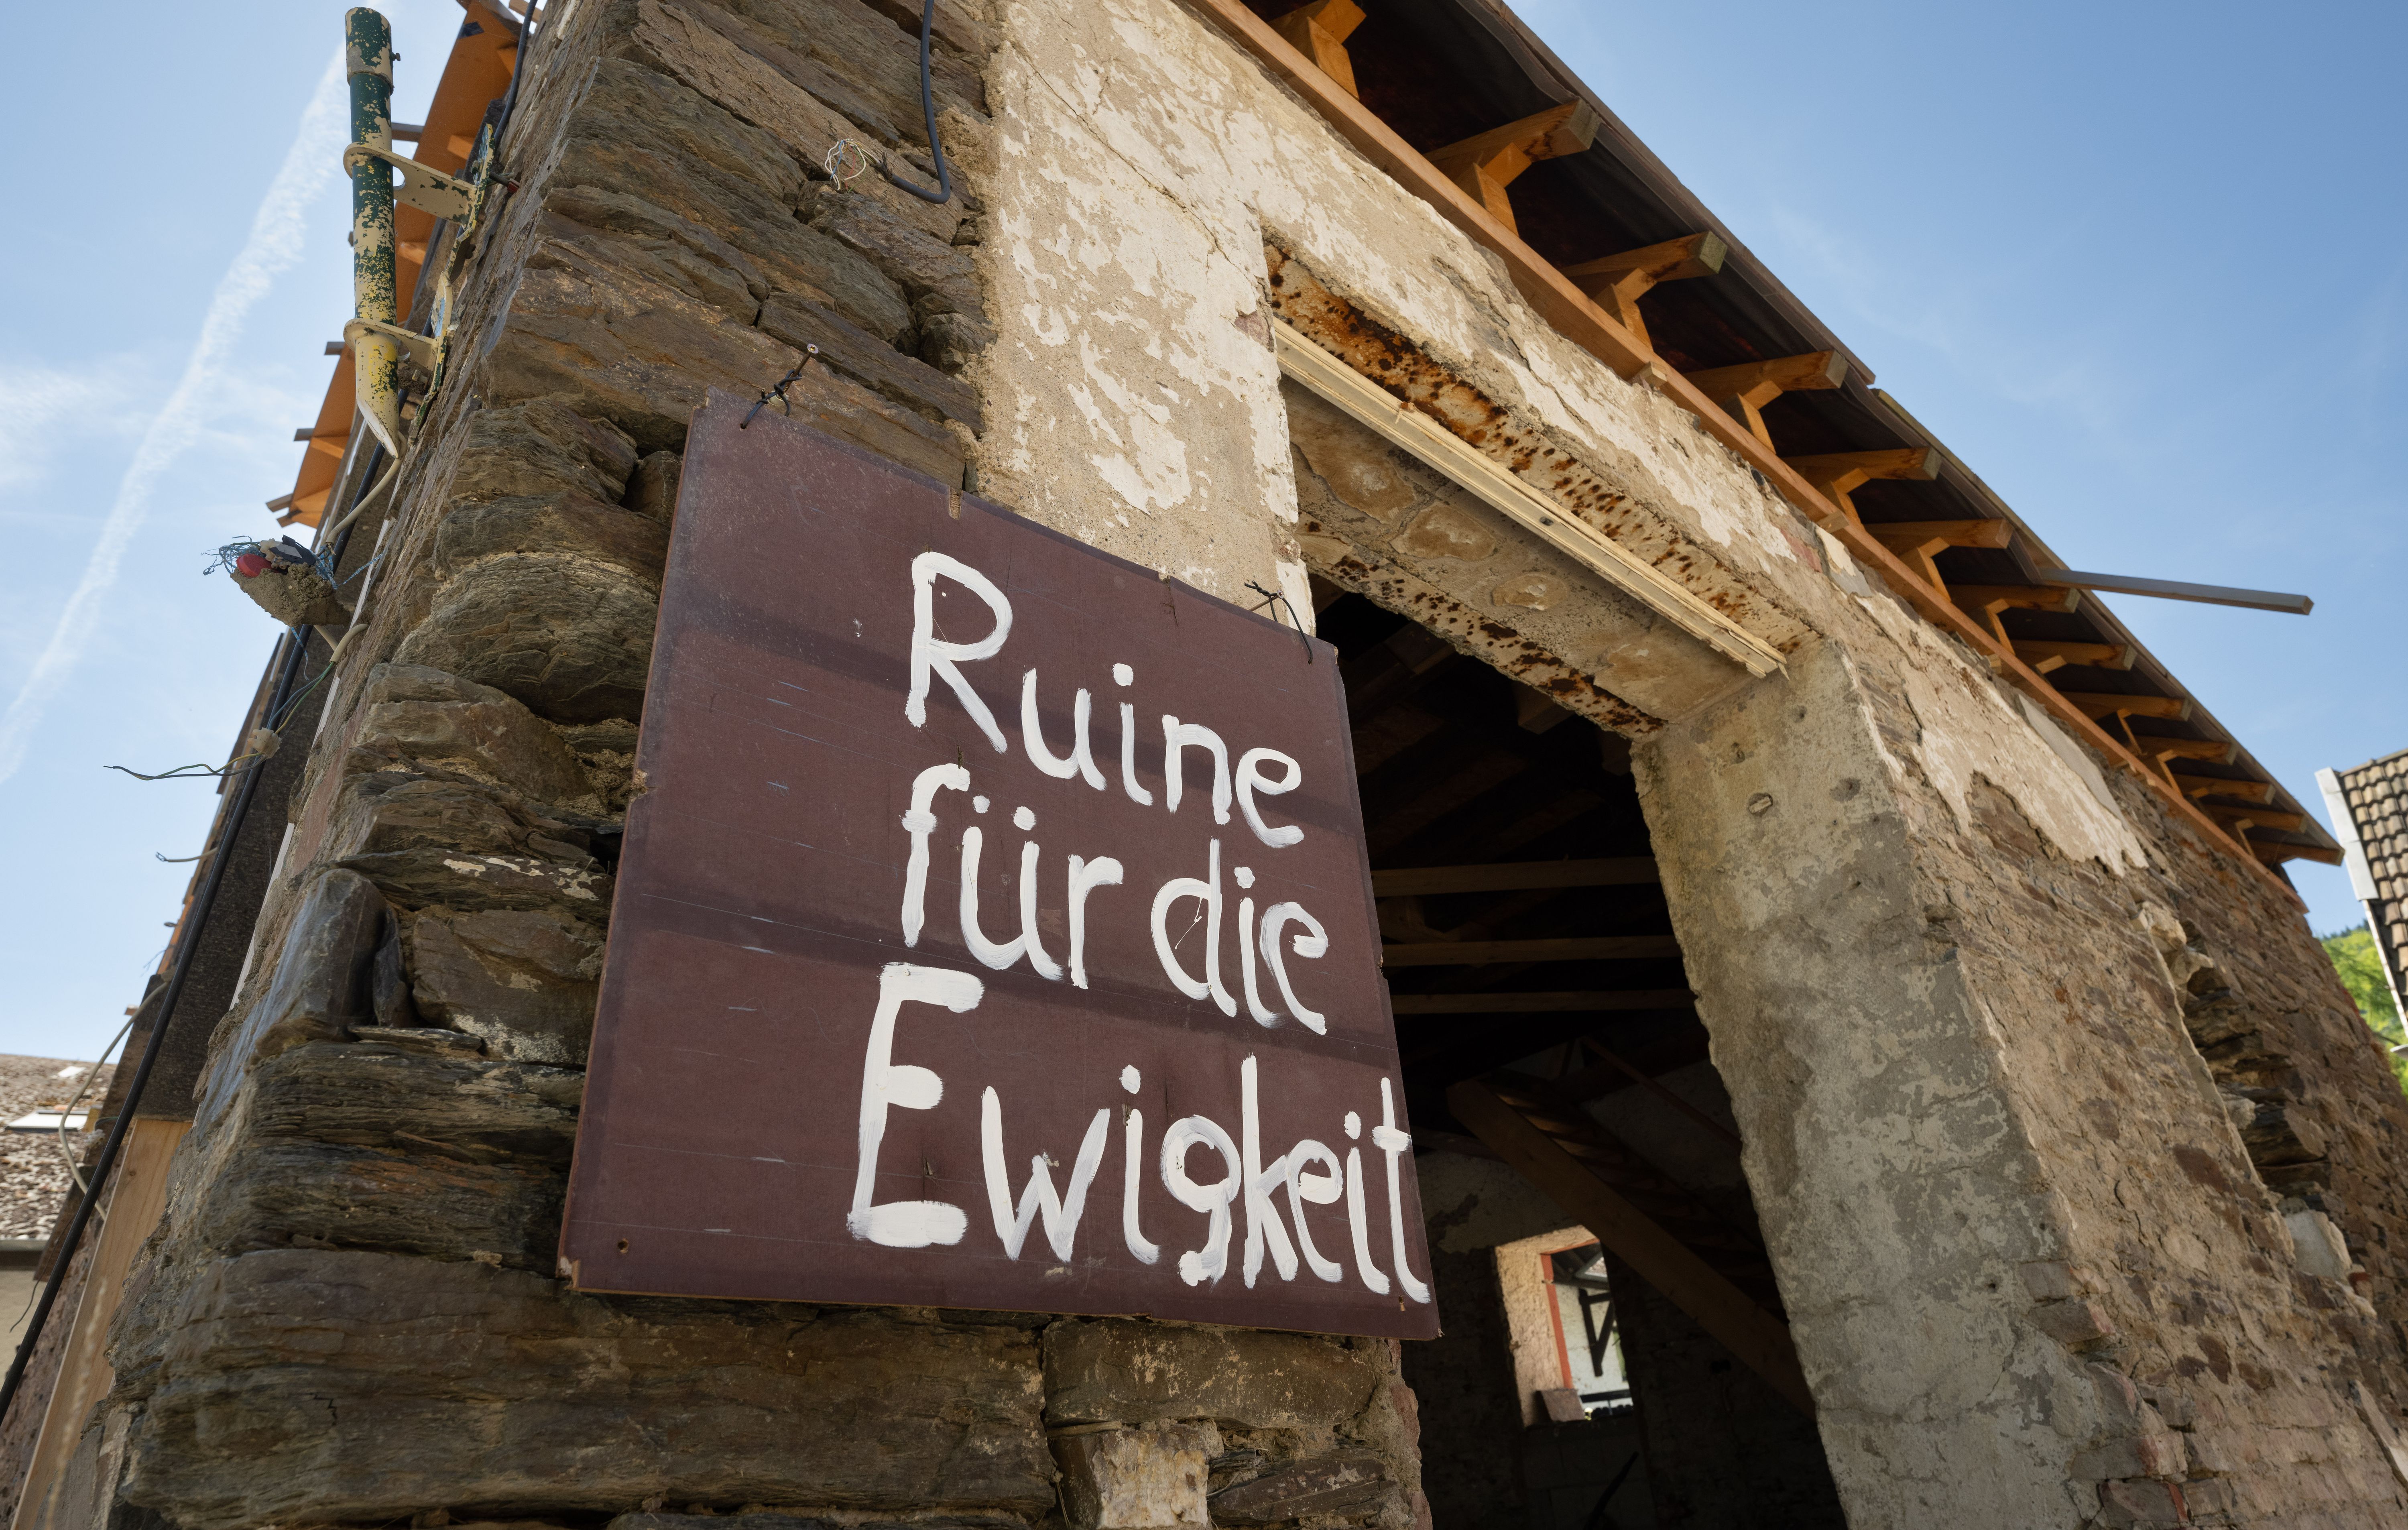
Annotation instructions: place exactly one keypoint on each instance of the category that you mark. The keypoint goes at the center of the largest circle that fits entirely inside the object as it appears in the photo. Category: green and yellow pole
(375, 359)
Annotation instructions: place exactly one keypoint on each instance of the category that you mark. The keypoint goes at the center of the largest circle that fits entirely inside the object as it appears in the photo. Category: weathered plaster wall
(1912, 1147)
(2032, 1273)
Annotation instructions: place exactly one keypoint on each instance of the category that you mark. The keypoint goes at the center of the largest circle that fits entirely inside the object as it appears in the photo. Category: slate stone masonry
(350, 1314)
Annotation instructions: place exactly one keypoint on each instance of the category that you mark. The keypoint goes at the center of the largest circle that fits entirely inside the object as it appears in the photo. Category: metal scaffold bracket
(420, 349)
(423, 187)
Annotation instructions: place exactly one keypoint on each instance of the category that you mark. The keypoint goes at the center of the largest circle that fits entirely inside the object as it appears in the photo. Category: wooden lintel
(1745, 390)
(2103, 703)
(1514, 876)
(1618, 283)
(1591, 947)
(1487, 162)
(1755, 1338)
(2217, 786)
(2046, 654)
(1319, 30)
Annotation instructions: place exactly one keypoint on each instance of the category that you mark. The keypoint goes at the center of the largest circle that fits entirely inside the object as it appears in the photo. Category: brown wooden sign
(994, 929)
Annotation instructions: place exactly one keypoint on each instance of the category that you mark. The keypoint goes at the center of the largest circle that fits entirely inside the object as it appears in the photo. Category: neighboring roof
(33, 1171)
(2369, 805)
(1441, 72)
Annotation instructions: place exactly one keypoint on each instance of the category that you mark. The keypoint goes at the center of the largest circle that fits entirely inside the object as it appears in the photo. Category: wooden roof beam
(2100, 704)
(2211, 594)
(2047, 654)
(2221, 750)
(2019, 597)
(1319, 30)
(1618, 283)
(1838, 473)
(1917, 543)
(2217, 786)
(2258, 818)
(1745, 390)
(2277, 852)
(1486, 164)
(1586, 323)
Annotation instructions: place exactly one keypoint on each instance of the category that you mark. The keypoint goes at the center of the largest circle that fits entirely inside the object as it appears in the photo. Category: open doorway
(1615, 1355)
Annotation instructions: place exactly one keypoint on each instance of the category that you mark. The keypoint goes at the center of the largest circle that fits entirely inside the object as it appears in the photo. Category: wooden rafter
(2047, 654)
(2277, 852)
(1838, 473)
(1966, 532)
(1745, 390)
(2219, 786)
(2104, 704)
(1319, 30)
(2256, 817)
(1559, 301)
(1918, 543)
(2026, 597)
(1618, 283)
(2221, 750)
(1484, 165)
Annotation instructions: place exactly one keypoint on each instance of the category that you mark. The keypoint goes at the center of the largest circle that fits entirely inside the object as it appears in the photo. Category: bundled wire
(286, 666)
(249, 557)
(67, 1115)
(945, 192)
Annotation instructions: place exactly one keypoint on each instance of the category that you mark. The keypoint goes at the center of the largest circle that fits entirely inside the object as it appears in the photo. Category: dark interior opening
(1529, 950)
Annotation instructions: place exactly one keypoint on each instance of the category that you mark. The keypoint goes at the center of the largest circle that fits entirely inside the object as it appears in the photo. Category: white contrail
(274, 244)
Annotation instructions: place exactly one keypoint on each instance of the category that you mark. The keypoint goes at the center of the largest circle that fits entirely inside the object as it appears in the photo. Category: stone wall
(350, 1313)
(2022, 1067)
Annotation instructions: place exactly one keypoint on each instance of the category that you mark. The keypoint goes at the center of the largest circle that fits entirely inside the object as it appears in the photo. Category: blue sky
(2142, 266)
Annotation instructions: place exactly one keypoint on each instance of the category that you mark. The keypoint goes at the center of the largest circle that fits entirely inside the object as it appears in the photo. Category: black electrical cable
(295, 649)
(945, 192)
(510, 96)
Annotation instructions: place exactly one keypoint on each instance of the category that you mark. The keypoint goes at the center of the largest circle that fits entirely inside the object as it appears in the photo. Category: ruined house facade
(1967, 1049)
